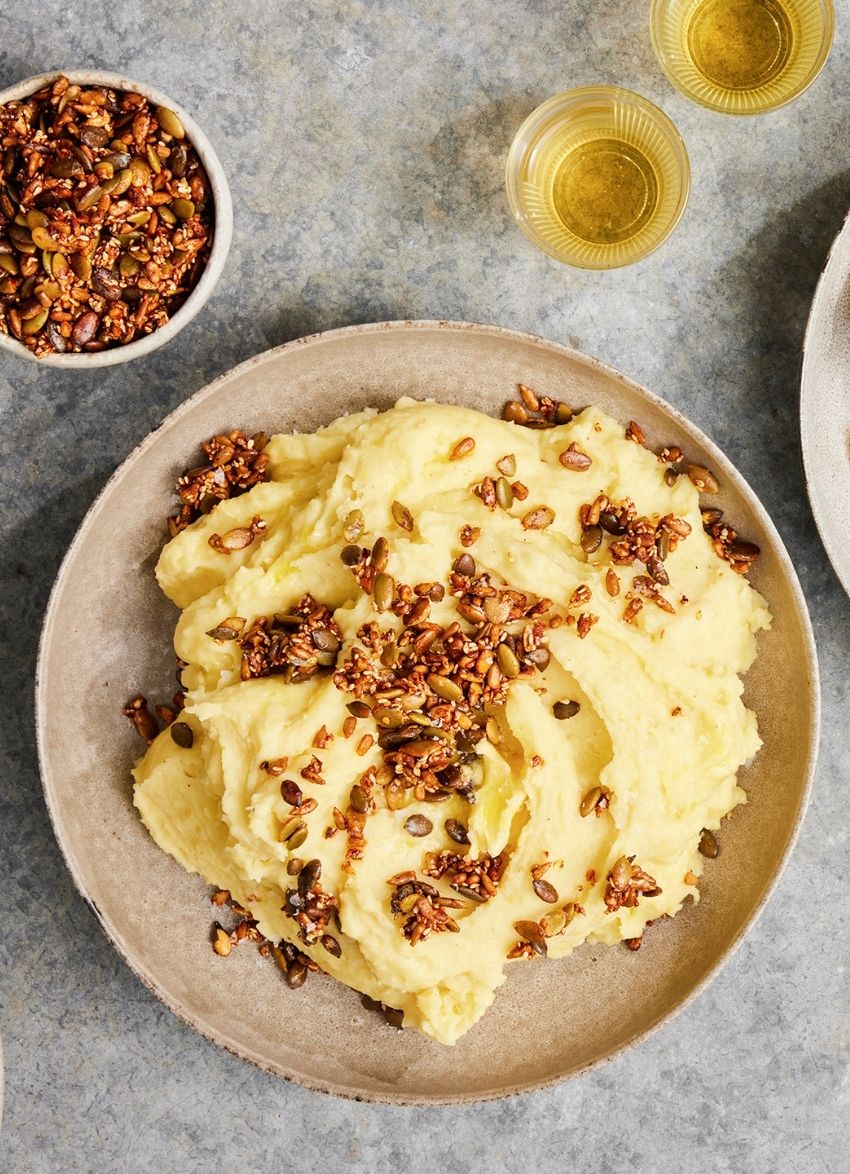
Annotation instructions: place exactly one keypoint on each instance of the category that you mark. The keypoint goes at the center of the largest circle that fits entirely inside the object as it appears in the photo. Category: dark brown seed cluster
(474, 877)
(626, 883)
(234, 464)
(727, 545)
(430, 684)
(239, 538)
(296, 644)
(147, 726)
(422, 907)
(312, 908)
(106, 217)
(536, 411)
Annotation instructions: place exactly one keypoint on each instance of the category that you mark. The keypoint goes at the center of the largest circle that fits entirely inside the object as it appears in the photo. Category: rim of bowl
(827, 38)
(222, 228)
(570, 97)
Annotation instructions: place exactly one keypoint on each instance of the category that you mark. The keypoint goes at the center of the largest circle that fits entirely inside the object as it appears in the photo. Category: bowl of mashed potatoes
(478, 766)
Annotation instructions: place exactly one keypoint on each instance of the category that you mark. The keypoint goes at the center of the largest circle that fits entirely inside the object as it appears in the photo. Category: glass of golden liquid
(597, 177)
(742, 56)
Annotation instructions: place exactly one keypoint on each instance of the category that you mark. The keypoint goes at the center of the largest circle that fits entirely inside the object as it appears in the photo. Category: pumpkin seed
(507, 661)
(573, 458)
(119, 183)
(589, 801)
(662, 545)
(389, 719)
(291, 793)
(545, 891)
(621, 873)
(181, 733)
(402, 516)
(464, 565)
(66, 168)
(34, 324)
(170, 123)
(36, 219)
(221, 941)
(43, 240)
(703, 478)
(359, 709)
(350, 555)
(106, 284)
(325, 640)
(183, 209)
(353, 525)
(308, 876)
(178, 160)
(565, 709)
(504, 493)
(445, 688)
(358, 799)
(418, 825)
(456, 831)
(94, 136)
(128, 266)
(493, 731)
(540, 658)
(331, 945)
(81, 266)
(507, 465)
(591, 539)
(530, 931)
(8, 263)
(670, 477)
(296, 976)
(154, 161)
(611, 523)
(383, 591)
(514, 412)
(167, 215)
(554, 923)
(708, 845)
(380, 555)
(563, 413)
(118, 160)
(298, 837)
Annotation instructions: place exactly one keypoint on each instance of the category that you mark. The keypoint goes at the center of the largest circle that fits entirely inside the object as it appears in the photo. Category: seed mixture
(426, 720)
(106, 217)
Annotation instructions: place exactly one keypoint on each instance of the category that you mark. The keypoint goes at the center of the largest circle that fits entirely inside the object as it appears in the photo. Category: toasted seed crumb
(462, 449)
(469, 535)
(635, 433)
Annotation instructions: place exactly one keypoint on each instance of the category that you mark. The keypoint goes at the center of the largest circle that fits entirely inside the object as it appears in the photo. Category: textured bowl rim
(729, 471)
(222, 232)
(665, 124)
(821, 60)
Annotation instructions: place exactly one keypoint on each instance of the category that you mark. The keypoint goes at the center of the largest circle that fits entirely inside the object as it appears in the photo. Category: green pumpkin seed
(507, 661)
(81, 266)
(182, 735)
(167, 216)
(588, 803)
(43, 240)
(170, 123)
(554, 923)
(591, 539)
(402, 516)
(418, 825)
(139, 218)
(37, 219)
(183, 209)
(34, 324)
(445, 688)
(153, 159)
(531, 932)
(128, 266)
(358, 799)
(383, 591)
(504, 493)
(90, 198)
(119, 183)
(8, 263)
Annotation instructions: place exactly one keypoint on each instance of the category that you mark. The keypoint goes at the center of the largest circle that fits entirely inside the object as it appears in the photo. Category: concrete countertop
(365, 144)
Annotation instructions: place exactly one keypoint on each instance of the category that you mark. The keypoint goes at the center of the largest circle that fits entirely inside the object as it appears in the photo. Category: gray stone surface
(365, 145)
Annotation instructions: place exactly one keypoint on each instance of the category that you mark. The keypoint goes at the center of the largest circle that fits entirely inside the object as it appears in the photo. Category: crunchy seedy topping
(309, 905)
(234, 464)
(585, 622)
(105, 217)
(536, 411)
(429, 682)
(469, 535)
(635, 433)
(727, 545)
(626, 883)
(296, 644)
(462, 449)
(476, 878)
(422, 907)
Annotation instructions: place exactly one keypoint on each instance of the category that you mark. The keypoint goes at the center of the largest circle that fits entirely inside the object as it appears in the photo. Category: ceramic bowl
(222, 230)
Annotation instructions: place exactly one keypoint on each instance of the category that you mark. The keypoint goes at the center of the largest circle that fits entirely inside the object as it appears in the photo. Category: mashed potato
(499, 734)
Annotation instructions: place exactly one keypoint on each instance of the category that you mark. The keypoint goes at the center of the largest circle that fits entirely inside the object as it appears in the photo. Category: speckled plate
(825, 405)
(107, 633)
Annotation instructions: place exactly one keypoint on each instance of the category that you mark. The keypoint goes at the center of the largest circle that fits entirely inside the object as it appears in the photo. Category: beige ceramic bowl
(222, 228)
(108, 633)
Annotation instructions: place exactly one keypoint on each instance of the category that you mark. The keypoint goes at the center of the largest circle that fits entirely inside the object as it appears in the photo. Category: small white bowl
(222, 225)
